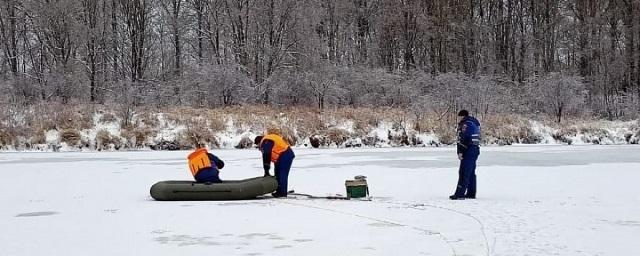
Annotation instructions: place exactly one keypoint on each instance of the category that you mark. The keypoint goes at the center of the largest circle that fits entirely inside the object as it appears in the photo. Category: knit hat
(257, 140)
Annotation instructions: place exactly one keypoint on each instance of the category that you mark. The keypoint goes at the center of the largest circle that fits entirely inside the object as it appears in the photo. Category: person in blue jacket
(468, 149)
(205, 166)
(275, 149)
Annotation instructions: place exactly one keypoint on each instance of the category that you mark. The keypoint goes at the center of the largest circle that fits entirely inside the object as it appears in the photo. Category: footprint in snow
(36, 214)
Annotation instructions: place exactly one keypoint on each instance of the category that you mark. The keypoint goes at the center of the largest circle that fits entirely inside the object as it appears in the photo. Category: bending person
(275, 149)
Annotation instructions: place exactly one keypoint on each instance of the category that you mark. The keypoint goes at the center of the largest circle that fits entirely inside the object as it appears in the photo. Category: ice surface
(532, 200)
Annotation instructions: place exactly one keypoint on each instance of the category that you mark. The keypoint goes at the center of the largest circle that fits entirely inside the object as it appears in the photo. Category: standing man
(275, 149)
(468, 152)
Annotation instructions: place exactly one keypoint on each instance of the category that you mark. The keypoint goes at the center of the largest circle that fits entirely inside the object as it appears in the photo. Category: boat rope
(476, 219)
(423, 230)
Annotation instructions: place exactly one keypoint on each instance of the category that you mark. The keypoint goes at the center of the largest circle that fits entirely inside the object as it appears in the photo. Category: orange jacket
(279, 146)
(198, 160)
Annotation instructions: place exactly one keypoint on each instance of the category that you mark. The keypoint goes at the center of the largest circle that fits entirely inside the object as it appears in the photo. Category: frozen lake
(532, 200)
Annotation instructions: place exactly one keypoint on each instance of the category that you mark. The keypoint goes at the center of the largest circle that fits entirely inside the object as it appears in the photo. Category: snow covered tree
(557, 94)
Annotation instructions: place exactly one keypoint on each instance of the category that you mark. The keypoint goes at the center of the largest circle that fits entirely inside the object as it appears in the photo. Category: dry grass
(285, 131)
(49, 116)
(10, 134)
(108, 117)
(363, 119)
(295, 124)
(104, 140)
(71, 137)
(442, 126)
(307, 124)
(72, 117)
(592, 133)
(508, 129)
(38, 138)
(146, 118)
(251, 117)
(337, 136)
(177, 117)
(16, 127)
(446, 133)
(414, 140)
(634, 136)
(216, 121)
(137, 136)
(245, 142)
(595, 134)
(635, 139)
(6, 138)
(195, 135)
(427, 124)
(366, 119)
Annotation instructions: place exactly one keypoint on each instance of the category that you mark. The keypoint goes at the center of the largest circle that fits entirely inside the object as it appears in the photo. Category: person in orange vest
(205, 166)
(275, 149)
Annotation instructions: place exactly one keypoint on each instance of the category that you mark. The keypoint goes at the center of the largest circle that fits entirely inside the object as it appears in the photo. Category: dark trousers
(208, 175)
(467, 173)
(282, 168)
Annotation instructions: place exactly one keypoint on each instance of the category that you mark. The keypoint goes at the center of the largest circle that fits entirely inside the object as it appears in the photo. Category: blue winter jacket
(468, 134)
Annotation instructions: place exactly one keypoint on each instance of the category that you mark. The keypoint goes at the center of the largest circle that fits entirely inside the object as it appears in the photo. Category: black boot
(276, 194)
(459, 194)
(455, 197)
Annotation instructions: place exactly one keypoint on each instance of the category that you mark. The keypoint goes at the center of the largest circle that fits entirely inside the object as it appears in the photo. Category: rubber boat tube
(178, 190)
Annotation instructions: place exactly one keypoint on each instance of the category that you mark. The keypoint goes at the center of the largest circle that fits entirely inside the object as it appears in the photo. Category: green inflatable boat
(177, 190)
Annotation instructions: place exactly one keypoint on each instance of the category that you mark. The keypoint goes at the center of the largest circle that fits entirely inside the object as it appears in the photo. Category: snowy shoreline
(615, 133)
(105, 130)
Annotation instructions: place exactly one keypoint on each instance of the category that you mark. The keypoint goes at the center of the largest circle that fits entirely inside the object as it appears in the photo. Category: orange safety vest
(279, 146)
(198, 160)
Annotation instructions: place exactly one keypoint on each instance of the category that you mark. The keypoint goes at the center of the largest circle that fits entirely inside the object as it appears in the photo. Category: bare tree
(9, 33)
(321, 84)
(557, 94)
(137, 18)
(90, 17)
(174, 11)
(324, 53)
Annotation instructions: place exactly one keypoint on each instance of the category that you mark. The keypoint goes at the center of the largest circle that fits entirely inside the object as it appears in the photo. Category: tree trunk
(199, 9)
(10, 37)
(238, 15)
(536, 31)
(136, 15)
(409, 31)
(363, 31)
(91, 15)
(175, 7)
(560, 108)
(115, 52)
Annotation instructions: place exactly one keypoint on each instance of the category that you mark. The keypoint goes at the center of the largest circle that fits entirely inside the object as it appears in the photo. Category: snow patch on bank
(165, 133)
(169, 130)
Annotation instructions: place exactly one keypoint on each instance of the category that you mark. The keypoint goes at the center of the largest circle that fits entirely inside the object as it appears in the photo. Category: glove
(266, 170)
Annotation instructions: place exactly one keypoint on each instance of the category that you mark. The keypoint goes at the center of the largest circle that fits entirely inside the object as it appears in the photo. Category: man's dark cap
(257, 140)
(463, 113)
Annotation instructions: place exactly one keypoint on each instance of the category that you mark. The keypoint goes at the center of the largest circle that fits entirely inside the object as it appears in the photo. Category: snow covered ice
(532, 200)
